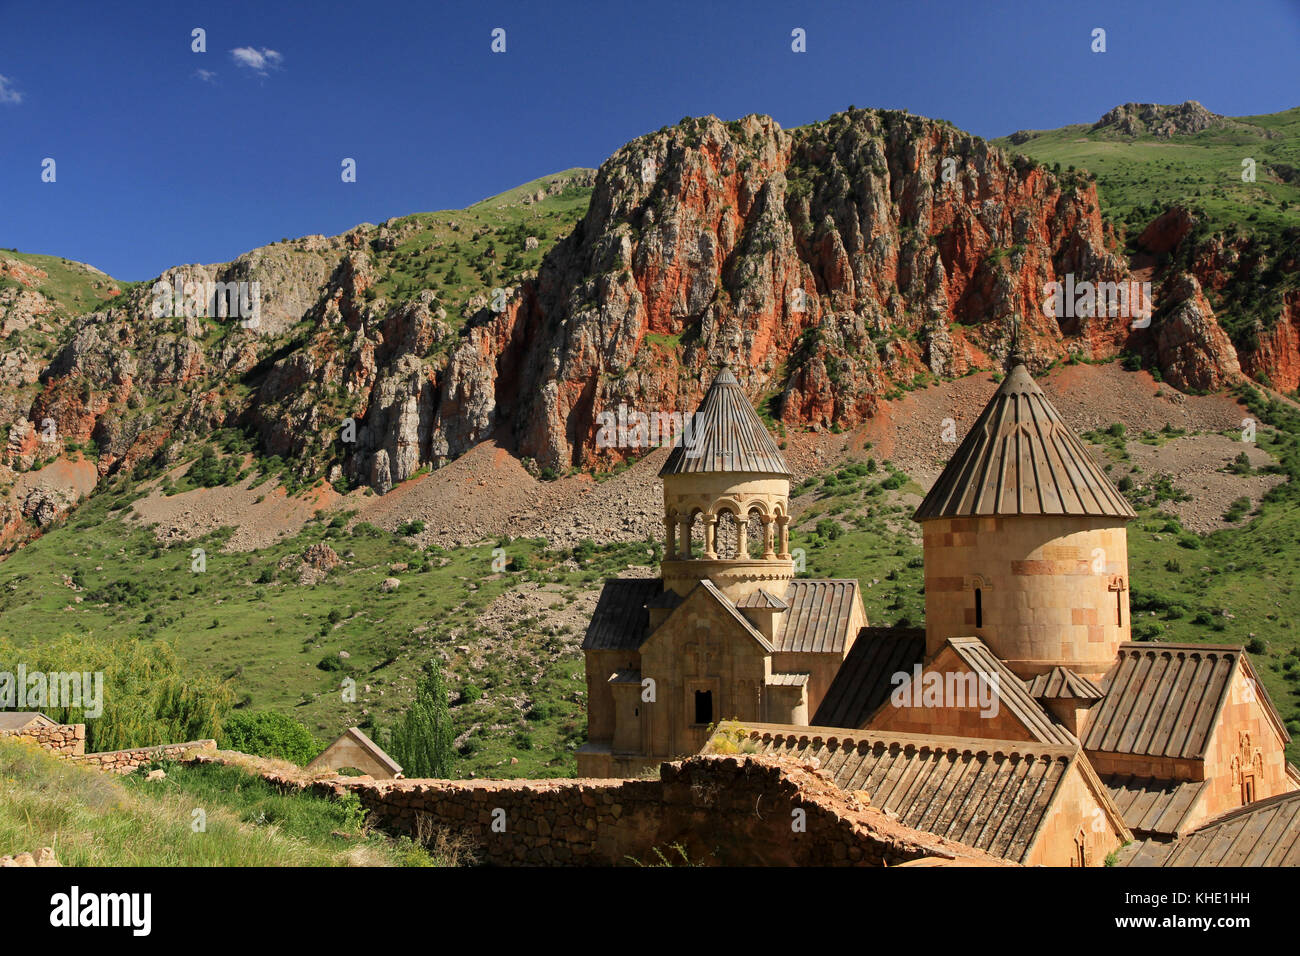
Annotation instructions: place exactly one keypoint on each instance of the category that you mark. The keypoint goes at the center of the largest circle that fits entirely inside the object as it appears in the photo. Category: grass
(278, 642)
(95, 819)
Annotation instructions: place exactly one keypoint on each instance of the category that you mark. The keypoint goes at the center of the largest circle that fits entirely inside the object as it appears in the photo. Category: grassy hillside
(1139, 177)
(94, 819)
(73, 287)
(465, 253)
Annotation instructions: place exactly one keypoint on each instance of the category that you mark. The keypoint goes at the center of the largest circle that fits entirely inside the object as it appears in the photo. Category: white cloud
(207, 76)
(259, 61)
(7, 93)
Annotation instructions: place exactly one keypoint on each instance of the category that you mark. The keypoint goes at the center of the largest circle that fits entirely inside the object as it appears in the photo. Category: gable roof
(372, 749)
(726, 436)
(994, 795)
(1011, 690)
(1020, 458)
(1154, 807)
(18, 719)
(818, 617)
(762, 599)
(620, 621)
(1164, 700)
(1061, 683)
(865, 678)
(1265, 833)
(712, 590)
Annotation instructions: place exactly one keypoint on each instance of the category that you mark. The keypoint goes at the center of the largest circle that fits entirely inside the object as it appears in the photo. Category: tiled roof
(1162, 700)
(620, 621)
(726, 435)
(993, 795)
(1020, 458)
(762, 599)
(1011, 690)
(788, 680)
(818, 618)
(1266, 833)
(1061, 683)
(863, 681)
(1153, 807)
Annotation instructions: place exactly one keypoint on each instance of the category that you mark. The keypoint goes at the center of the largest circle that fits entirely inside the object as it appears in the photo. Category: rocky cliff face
(1248, 278)
(832, 264)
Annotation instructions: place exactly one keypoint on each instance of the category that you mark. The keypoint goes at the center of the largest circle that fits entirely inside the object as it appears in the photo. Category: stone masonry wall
(125, 761)
(720, 810)
(61, 738)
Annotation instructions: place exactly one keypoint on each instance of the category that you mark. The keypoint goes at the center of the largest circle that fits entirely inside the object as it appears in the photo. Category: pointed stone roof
(1020, 458)
(726, 435)
(1061, 683)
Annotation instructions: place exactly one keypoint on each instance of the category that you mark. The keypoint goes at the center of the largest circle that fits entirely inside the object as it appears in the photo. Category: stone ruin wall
(720, 810)
(68, 739)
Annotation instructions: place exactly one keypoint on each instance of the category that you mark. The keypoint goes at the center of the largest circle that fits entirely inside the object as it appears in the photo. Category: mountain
(838, 265)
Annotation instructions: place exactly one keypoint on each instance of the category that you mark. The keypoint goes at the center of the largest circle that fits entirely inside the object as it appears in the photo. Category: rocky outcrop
(1194, 352)
(831, 263)
(1153, 119)
(1276, 356)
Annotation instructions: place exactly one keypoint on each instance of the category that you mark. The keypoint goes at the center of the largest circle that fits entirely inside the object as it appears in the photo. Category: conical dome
(726, 435)
(1019, 458)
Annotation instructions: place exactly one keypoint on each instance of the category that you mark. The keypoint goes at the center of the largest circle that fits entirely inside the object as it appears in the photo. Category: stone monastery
(1022, 720)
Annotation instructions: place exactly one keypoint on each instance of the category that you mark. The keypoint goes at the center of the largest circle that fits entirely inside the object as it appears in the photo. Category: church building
(1022, 719)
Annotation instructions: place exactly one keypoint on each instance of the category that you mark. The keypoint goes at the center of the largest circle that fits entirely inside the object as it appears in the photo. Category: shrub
(269, 734)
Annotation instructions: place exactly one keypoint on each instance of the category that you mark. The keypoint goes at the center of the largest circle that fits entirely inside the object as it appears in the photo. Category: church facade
(1026, 651)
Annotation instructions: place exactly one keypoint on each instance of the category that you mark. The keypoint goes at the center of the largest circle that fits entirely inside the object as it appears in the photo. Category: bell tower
(726, 500)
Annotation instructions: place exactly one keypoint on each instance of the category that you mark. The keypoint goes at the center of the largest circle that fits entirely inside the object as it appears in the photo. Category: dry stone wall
(61, 738)
(125, 761)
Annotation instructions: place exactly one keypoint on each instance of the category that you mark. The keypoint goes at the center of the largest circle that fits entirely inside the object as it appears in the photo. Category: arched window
(979, 608)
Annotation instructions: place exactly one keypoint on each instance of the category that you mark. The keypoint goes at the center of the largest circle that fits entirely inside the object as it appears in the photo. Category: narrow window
(1247, 789)
(979, 608)
(1119, 608)
(704, 706)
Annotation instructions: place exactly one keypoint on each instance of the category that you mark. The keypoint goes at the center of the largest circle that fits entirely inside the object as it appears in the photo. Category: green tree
(422, 742)
(148, 696)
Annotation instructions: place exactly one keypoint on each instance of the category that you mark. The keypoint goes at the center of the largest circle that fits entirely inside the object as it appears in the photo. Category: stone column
(742, 539)
(670, 536)
(769, 552)
(684, 533)
(710, 537)
(783, 522)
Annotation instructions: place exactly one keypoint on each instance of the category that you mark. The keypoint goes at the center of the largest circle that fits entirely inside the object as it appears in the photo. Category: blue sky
(158, 165)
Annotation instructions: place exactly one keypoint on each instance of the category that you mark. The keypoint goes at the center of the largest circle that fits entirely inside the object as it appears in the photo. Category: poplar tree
(422, 742)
